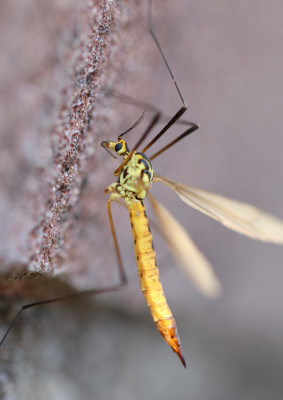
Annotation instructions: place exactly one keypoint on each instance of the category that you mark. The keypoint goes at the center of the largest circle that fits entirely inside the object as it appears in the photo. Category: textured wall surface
(56, 57)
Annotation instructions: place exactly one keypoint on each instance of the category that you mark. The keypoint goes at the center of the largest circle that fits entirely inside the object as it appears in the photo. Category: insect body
(135, 176)
(133, 184)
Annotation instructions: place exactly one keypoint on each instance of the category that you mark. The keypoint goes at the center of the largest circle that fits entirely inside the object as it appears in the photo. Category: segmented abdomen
(149, 276)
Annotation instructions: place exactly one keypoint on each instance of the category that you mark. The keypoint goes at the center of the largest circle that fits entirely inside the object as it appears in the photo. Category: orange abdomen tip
(171, 336)
(149, 277)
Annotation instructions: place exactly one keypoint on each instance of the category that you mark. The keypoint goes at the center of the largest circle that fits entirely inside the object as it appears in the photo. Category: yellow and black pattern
(149, 276)
(134, 181)
(137, 174)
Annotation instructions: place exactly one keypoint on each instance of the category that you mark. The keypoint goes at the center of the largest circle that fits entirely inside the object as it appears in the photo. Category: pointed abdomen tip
(182, 358)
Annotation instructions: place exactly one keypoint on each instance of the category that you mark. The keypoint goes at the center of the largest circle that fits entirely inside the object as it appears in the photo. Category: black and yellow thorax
(136, 175)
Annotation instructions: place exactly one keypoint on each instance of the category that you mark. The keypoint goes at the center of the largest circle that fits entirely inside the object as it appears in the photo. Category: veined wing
(241, 217)
(185, 251)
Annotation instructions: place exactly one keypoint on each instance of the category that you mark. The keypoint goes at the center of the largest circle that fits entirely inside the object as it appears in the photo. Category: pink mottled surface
(55, 60)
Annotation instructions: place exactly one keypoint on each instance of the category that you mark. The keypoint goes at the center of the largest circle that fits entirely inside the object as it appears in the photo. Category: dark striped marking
(145, 171)
(125, 173)
(145, 163)
(146, 158)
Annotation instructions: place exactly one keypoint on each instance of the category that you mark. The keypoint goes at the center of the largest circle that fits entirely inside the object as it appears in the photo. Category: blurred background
(227, 58)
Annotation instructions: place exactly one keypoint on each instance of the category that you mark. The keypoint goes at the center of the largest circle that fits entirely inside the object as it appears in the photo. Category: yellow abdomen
(149, 276)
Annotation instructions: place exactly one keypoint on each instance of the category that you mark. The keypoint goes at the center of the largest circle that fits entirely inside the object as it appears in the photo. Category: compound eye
(118, 147)
(121, 147)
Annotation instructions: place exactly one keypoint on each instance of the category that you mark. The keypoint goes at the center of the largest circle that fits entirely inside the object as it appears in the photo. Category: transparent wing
(185, 251)
(240, 217)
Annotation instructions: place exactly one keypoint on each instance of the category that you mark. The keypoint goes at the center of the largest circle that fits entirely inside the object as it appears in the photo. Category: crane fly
(135, 177)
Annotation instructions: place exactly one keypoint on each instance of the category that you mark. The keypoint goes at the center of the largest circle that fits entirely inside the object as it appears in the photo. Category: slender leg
(193, 127)
(130, 100)
(113, 197)
(124, 98)
(157, 114)
(184, 107)
(118, 286)
(140, 104)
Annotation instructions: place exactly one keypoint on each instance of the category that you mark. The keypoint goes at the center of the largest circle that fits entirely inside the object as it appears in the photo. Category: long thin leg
(141, 104)
(72, 296)
(193, 127)
(130, 100)
(151, 31)
(118, 286)
(157, 115)
(184, 107)
(123, 279)
(155, 119)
